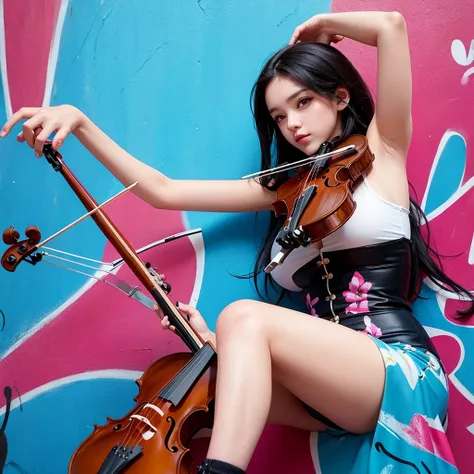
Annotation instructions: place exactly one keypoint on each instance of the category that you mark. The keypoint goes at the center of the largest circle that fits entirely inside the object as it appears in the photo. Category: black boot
(213, 466)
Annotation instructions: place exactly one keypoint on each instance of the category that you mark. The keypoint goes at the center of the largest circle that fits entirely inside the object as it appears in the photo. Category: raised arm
(387, 31)
(153, 187)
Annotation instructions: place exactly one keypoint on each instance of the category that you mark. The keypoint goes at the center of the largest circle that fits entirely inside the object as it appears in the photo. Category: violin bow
(339, 153)
(27, 250)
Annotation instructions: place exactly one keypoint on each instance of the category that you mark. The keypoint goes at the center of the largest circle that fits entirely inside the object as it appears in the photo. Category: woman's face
(305, 118)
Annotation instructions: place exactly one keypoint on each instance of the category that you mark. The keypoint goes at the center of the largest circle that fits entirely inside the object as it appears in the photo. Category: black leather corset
(365, 289)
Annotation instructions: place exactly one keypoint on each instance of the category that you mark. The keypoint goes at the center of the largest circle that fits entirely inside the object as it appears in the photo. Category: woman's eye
(278, 118)
(304, 101)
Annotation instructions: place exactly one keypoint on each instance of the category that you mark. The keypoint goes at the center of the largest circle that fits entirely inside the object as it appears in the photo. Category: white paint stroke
(454, 197)
(53, 315)
(452, 376)
(53, 53)
(470, 258)
(3, 64)
(460, 53)
(442, 144)
(197, 242)
(465, 76)
(442, 295)
(116, 374)
(313, 446)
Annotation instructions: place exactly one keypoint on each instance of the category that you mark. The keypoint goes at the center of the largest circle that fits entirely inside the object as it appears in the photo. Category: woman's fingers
(60, 136)
(313, 30)
(23, 113)
(30, 129)
(295, 35)
(158, 311)
(41, 138)
(166, 324)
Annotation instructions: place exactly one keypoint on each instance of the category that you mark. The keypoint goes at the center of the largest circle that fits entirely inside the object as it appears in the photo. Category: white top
(375, 220)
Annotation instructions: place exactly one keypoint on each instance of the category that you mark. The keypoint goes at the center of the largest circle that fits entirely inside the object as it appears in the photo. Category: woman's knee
(238, 317)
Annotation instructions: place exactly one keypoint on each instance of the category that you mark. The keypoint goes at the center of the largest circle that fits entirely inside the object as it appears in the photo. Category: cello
(176, 393)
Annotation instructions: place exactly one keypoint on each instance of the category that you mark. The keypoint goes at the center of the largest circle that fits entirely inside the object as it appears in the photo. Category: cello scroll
(20, 250)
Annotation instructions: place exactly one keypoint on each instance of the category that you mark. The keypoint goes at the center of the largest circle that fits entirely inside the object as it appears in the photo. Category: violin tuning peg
(10, 236)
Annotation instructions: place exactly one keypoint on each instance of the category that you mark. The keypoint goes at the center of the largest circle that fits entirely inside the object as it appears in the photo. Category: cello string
(183, 376)
(152, 413)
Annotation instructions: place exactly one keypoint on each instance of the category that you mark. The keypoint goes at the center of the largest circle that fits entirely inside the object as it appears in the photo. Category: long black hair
(323, 68)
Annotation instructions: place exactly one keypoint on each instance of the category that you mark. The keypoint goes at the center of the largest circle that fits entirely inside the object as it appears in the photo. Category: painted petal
(375, 331)
(351, 297)
(354, 308)
(358, 308)
(364, 288)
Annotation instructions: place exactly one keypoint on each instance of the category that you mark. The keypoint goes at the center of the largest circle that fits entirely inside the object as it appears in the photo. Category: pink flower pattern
(311, 303)
(357, 295)
(371, 328)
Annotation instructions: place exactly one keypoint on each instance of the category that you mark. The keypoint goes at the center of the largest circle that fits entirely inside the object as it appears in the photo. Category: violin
(318, 198)
(176, 393)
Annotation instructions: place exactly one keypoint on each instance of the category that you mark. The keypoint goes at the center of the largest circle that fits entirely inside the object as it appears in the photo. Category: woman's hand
(314, 30)
(195, 319)
(42, 122)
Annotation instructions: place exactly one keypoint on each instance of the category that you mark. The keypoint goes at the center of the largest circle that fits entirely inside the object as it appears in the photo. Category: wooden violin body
(154, 436)
(331, 203)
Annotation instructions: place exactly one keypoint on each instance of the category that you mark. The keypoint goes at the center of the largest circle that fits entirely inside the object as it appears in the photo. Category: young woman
(359, 361)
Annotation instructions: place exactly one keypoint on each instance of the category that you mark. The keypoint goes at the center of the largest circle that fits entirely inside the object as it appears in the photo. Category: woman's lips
(303, 139)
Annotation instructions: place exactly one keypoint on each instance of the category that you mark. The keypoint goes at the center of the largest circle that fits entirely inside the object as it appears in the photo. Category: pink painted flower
(311, 303)
(357, 295)
(423, 433)
(371, 328)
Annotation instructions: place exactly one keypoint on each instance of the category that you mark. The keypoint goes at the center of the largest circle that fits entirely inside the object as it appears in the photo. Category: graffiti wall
(170, 82)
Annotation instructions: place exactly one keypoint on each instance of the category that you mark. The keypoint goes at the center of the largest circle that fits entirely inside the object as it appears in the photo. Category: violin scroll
(20, 250)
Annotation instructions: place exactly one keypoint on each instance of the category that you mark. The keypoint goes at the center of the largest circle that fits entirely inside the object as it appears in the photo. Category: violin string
(152, 414)
(313, 172)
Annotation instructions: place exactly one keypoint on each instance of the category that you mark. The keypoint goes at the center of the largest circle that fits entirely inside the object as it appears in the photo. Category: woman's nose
(293, 123)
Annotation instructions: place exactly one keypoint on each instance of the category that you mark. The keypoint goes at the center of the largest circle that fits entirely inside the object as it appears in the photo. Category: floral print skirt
(409, 437)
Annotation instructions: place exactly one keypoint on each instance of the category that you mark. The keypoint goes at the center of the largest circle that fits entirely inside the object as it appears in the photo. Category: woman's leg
(287, 409)
(335, 370)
